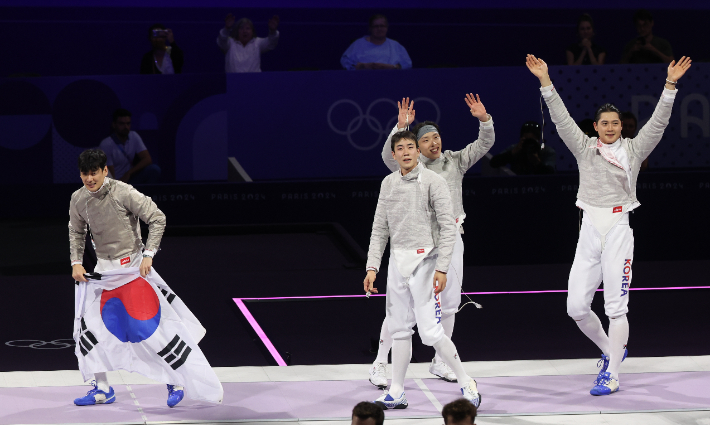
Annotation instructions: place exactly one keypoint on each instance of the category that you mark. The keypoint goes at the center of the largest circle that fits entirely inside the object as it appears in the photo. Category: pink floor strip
(279, 360)
(265, 339)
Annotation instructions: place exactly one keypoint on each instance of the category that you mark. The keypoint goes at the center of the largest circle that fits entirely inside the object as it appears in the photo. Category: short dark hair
(377, 16)
(630, 115)
(459, 410)
(120, 112)
(367, 410)
(643, 15)
(404, 135)
(154, 27)
(607, 107)
(531, 127)
(418, 127)
(92, 160)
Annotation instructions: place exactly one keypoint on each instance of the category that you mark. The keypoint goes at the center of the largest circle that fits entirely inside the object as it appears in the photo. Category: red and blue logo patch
(131, 312)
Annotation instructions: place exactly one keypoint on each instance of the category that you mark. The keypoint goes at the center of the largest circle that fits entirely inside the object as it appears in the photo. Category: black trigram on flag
(176, 349)
(87, 340)
(168, 295)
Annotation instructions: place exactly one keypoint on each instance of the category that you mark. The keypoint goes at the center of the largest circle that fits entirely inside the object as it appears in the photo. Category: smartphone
(160, 33)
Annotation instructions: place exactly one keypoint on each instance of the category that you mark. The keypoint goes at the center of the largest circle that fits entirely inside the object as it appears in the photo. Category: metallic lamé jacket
(112, 215)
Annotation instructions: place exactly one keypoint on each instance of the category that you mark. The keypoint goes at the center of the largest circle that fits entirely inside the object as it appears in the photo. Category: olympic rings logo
(372, 122)
(57, 344)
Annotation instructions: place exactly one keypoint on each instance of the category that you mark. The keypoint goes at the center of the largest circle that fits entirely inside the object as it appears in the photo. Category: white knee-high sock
(618, 337)
(102, 381)
(447, 350)
(592, 327)
(447, 322)
(401, 355)
(385, 343)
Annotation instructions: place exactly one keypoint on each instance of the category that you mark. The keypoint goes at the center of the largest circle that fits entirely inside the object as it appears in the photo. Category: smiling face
(430, 145)
(608, 127)
(94, 179)
(406, 154)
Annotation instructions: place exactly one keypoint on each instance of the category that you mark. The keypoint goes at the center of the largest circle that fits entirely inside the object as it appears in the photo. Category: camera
(160, 33)
(530, 146)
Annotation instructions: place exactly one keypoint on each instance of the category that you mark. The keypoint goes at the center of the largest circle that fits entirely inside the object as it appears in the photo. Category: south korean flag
(124, 321)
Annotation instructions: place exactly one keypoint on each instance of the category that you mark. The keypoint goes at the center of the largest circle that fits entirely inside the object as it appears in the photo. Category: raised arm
(405, 117)
(270, 43)
(569, 132)
(650, 134)
(223, 37)
(486, 136)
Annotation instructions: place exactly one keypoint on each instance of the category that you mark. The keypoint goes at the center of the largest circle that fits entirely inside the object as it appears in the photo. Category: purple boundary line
(280, 361)
(465, 293)
(254, 324)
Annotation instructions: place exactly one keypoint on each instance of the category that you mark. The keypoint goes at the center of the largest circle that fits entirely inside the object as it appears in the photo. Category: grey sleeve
(380, 233)
(569, 131)
(390, 162)
(440, 198)
(77, 233)
(148, 211)
(476, 150)
(650, 134)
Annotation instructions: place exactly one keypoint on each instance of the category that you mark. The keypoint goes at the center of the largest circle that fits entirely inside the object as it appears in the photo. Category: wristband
(671, 82)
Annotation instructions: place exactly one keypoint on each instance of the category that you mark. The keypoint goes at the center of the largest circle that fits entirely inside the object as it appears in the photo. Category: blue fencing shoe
(96, 396)
(385, 401)
(605, 385)
(174, 396)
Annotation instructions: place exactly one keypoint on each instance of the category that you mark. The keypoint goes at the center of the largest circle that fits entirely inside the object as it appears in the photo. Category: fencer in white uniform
(608, 169)
(110, 210)
(415, 214)
(451, 165)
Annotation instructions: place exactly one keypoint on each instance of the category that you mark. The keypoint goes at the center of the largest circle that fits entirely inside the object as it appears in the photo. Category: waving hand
(406, 113)
(476, 107)
(677, 70)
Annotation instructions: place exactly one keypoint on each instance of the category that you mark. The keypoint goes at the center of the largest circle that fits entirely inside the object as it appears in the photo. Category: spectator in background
(128, 159)
(459, 412)
(366, 413)
(629, 124)
(587, 126)
(241, 47)
(162, 59)
(646, 48)
(527, 156)
(376, 51)
(585, 52)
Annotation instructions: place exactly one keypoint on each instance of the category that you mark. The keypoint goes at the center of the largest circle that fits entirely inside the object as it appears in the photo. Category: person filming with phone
(165, 57)
(646, 48)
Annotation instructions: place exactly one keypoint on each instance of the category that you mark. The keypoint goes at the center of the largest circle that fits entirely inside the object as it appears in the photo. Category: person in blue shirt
(376, 51)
